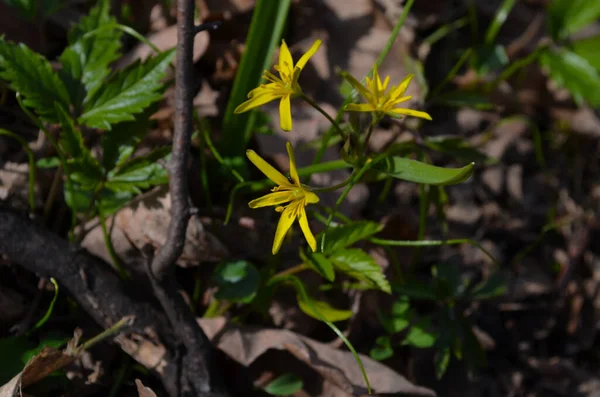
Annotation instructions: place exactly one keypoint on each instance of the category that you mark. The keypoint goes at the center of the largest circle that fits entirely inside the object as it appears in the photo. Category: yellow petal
(401, 89)
(258, 99)
(310, 238)
(394, 102)
(357, 85)
(267, 169)
(376, 85)
(285, 113)
(276, 198)
(360, 107)
(409, 112)
(310, 197)
(285, 222)
(308, 54)
(286, 63)
(293, 170)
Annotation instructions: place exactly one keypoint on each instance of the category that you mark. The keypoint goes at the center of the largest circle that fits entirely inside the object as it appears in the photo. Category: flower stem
(324, 113)
(332, 188)
(290, 271)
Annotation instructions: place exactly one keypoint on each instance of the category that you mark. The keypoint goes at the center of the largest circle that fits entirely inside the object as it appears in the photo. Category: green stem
(332, 188)
(333, 122)
(365, 146)
(114, 329)
(111, 249)
(515, 66)
(292, 270)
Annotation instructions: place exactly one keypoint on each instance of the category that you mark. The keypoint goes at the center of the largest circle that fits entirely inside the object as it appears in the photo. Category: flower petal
(285, 222)
(409, 112)
(293, 169)
(285, 113)
(286, 63)
(257, 99)
(401, 89)
(303, 220)
(276, 198)
(310, 197)
(267, 169)
(308, 54)
(357, 85)
(360, 107)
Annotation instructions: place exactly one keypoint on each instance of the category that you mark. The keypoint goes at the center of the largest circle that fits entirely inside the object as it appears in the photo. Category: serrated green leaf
(284, 385)
(566, 17)
(31, 75)
(416, 171)
(326, 311)
(360, 265)
(140, 173)
(237, 281)
(71, 140)
(320, 263)
(588, 49)
(419, 336)
(346, 235)
(383, 349)
(127, 93)
(92, 48)
(107, 201)
(574, 73)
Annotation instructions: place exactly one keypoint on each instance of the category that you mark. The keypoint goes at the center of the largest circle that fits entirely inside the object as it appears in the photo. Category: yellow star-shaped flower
(289, 191)
(285, 86)
(378, 101)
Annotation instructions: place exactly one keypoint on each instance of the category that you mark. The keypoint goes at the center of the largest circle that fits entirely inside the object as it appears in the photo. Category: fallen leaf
(246, 344)
(144, 391)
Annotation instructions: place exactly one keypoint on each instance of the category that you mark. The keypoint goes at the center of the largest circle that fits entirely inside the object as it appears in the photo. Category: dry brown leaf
(145, 221)
(337, 367)
(144, 391)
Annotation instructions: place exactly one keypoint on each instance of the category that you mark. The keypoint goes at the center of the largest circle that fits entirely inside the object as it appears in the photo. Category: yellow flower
(380, 102)
(287, 191)
(285, 86)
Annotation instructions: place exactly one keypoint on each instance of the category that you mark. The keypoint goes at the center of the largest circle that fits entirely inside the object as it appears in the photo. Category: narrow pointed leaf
(326, 311)
(140, 173)
(127, 93)
(321, 264)
(284, 385)
(416, 171)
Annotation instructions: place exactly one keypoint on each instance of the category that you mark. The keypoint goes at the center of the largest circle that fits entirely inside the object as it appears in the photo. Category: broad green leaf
(566, 17)
(237, 281)
(360, 265)
(494, 286)
(574, 73)
(32, 76)
(284, 385)
(399, 319)
(456, 147)
(48, 162)
(267, 24)
(326, 311)
(416, 171)
(588, 49)
(346, 235)
(107, 202)
(383, 349)
(92, 48)
(419, 336)
(128, 92)
(140, 173)
(441, 360)
(320, 263)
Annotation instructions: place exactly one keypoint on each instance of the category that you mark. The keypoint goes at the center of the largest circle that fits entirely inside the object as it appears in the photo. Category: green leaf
(399, 319)
(573, 72)
(447, 281)
(32, 76)
(457, 147)
(494, 286)
(237, 281)
(383, 349)
(320, 263)
(473, 353)
(326, 311)
(588, 49)
(29, 9)
(498, 21)
(566, 17)
(415, 289)
(360, 265)
(416, 171)
(48, 162)
(92, 48)
(419, 336)
(107, 201)
(127, 93)
(490, 58)
(284, 385)
(71, 140)
(140, 173)
(442, 359)
(346, 235)
(461, 99)
(267, 24)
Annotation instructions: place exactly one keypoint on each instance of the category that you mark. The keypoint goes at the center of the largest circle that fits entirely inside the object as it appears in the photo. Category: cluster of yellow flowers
(291, 192)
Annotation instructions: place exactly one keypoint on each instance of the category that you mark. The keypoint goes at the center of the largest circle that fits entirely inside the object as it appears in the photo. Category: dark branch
(207, 26)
